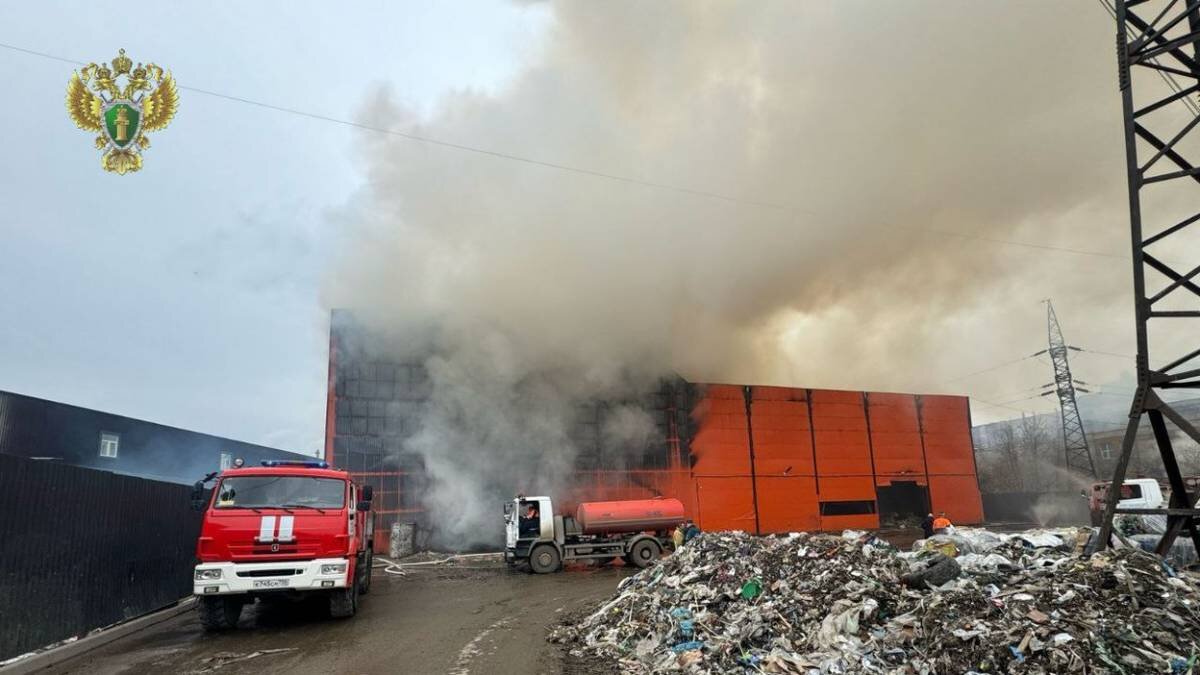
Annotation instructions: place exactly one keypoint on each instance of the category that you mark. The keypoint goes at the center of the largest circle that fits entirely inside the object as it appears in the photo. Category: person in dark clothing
(690, 531)
(927, 526)
(530, 522)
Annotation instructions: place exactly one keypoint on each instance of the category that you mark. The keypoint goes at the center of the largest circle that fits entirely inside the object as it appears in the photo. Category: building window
(109, 444)
(848, 508)
(1106, 451)
(226, 460)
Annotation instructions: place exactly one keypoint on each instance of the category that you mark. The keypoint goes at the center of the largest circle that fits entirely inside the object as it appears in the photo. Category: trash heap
(1146, 531)
(974, 602)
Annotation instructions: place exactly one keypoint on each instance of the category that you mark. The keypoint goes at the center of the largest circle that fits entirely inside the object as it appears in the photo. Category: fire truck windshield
(248, 492)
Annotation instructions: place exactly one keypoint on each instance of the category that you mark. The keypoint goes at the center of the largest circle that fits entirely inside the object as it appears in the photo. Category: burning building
(757, 458)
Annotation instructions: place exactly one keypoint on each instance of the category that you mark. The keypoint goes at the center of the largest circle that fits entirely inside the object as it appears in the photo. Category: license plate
(270, 583)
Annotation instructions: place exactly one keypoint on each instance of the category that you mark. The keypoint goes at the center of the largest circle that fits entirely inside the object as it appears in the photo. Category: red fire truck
(282, 531)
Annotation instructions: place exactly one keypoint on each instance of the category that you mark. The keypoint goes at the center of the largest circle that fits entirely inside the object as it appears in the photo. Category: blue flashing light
(288, 462)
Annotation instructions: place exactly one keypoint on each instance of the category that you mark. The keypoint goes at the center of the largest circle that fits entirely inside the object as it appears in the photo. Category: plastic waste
(751, 589)
(822, 604)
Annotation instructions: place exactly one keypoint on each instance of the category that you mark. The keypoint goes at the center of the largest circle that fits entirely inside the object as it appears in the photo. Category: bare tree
(1037, 454)
(1007, 475)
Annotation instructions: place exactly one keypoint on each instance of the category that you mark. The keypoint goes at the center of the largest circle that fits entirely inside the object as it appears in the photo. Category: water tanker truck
(636, 530)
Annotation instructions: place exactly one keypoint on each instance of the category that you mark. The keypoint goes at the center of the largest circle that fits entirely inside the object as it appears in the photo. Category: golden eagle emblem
(122, 114)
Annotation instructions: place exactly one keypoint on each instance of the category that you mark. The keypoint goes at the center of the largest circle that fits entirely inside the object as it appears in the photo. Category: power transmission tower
(1074, 440)
(1075, 443)
(1155, 39)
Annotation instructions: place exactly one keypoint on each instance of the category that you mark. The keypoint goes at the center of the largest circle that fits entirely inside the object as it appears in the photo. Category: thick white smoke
(876, 151)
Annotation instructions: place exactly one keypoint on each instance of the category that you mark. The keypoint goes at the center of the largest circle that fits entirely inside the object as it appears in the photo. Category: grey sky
(195, 292)
(189, 294)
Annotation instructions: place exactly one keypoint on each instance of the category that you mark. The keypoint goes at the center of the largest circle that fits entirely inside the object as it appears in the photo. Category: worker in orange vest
(942, 524)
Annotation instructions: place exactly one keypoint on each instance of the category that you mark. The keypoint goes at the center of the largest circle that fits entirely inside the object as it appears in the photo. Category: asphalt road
(484, 619)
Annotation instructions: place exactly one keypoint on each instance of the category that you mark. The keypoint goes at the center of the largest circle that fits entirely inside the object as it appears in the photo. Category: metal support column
(1161, 39)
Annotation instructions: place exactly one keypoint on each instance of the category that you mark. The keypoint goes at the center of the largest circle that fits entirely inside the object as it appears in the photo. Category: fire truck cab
(283, 530)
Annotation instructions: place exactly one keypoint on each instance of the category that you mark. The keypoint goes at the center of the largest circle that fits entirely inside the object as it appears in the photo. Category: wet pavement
(483, 619)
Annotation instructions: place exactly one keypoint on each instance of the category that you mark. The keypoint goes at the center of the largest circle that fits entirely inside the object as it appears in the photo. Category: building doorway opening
(902, 504)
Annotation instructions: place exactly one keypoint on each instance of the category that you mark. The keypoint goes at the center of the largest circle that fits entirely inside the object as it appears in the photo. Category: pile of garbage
(971, 602)
(1146, 531)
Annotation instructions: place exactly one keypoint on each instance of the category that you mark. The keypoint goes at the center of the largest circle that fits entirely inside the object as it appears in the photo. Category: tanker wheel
(644, 552)
(544, 559)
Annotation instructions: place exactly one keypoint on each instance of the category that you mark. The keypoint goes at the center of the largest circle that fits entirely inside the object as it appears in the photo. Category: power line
(1045, 247)
(565, 167)
(1019, 392)
(1113, 354)
(434, 141)
(1000, 405)
(1026, 398)
(988, 370)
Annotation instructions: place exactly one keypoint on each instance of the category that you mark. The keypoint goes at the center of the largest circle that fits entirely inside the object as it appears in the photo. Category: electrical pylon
(1158, 41)
(1075, 444)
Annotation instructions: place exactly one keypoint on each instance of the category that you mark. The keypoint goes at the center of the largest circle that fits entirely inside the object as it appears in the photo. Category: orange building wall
(953, 484)
(840, 428)
(788, 504)
(896, 435)
(757, 472)
(848, 488)
(958, 496)
(725, 503)
(947, 434)
(721, 445)
(782, 436)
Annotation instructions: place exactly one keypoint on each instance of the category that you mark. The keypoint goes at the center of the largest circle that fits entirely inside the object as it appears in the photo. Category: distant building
(1040, 437)
(56, 432)
(1106, 446)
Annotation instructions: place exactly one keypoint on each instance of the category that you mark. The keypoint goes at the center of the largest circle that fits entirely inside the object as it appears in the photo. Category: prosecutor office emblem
(122, 113)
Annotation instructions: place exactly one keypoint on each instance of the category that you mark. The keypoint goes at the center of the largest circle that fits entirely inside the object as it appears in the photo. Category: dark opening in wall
(902, 504)
(854, 508)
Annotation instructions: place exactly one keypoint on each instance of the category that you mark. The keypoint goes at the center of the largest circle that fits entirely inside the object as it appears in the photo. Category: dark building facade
(56, 432)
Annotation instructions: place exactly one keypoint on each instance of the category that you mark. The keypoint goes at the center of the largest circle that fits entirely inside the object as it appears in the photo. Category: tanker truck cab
(528, 520)
(637, 531)
(285, 530)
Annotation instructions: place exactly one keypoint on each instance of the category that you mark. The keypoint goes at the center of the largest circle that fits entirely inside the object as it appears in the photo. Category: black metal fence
(81, 549)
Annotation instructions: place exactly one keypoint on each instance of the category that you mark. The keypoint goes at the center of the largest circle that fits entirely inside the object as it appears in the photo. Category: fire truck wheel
(368, 559)
(219, 613)
(544, 559)
(644, 552)
(344, 601)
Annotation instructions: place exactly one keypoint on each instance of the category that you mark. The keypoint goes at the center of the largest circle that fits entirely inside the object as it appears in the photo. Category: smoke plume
(848, 169)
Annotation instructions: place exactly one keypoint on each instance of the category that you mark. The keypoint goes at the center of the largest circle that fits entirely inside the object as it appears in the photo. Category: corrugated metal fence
(81, 549)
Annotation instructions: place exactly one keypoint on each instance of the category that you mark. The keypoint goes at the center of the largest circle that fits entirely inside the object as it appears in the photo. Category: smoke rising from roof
(876, 153)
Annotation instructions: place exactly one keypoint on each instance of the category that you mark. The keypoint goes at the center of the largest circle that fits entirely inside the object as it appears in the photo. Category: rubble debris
(936, 570)
(221, 659)
(1181, 554)
(1146, 531)
(1023, 603)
